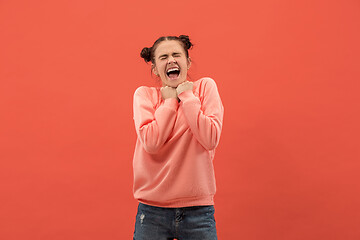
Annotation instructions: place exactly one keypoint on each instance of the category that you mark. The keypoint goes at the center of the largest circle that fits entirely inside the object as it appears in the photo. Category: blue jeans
(187, 223)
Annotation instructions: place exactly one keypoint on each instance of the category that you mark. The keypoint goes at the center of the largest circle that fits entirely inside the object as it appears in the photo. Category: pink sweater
(175, 147)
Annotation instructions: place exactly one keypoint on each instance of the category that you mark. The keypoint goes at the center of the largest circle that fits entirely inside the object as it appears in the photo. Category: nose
(171, 60)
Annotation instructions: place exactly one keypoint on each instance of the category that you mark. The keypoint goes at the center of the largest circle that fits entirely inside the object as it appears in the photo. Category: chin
(174, 84)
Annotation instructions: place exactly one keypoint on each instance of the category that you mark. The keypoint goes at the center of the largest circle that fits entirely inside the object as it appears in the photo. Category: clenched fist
(184, 87)
(168, 92)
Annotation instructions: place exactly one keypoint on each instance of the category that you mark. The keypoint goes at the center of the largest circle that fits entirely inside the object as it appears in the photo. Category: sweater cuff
(186, 95)
(171, 103)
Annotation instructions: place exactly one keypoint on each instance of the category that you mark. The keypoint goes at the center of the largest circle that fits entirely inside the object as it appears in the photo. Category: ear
(189, 62)
(154, 70)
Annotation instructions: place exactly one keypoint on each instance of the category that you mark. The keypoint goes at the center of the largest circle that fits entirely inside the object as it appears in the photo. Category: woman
(178, 127)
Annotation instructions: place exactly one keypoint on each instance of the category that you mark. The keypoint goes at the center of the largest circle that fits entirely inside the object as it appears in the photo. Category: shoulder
(141, 90)
(204, 84)
(145, 91)
(147, 94)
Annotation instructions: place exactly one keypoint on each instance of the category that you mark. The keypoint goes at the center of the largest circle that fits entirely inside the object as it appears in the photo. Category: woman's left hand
(184, 87)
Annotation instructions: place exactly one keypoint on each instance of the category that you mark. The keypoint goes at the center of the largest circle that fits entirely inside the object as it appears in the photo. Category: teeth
(173, 69)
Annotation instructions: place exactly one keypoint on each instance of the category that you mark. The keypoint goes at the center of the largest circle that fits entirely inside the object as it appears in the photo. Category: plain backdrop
(288, 72)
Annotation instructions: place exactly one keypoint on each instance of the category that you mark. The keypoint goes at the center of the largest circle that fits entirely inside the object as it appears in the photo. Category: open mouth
(173, 73)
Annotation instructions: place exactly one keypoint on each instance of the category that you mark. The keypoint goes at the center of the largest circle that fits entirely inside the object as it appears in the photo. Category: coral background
(288, 72)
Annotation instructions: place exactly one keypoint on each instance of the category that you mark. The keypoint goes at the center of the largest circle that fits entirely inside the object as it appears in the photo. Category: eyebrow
(165, 55)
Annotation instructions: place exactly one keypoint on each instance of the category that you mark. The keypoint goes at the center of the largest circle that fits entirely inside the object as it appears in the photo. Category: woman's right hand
(168, 92)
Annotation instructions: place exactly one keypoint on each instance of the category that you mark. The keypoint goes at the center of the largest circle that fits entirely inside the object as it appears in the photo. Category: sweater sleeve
(204, 117)
(153, 126)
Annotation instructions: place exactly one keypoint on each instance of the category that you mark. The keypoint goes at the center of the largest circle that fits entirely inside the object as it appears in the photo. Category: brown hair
(148, 53)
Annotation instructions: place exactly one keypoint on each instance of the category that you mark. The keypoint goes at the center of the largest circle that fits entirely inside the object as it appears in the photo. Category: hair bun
(146, 54)
(186, 40)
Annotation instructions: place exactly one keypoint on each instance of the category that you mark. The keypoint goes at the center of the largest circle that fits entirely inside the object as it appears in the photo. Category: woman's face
(171, 64)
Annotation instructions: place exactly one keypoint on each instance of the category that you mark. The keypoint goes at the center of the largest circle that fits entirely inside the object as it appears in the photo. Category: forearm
(154, 129)
(205, 127)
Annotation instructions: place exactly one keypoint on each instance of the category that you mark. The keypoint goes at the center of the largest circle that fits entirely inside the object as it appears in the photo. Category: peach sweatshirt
(175, 147)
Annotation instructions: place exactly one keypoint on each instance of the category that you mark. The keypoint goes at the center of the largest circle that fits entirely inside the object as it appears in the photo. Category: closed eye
(162, 57)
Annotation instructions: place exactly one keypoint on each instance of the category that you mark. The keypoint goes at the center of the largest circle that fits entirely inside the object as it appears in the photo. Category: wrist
(187, 94)
(179, 91)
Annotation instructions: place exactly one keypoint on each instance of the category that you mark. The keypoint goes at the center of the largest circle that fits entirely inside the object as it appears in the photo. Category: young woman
(178, 127)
